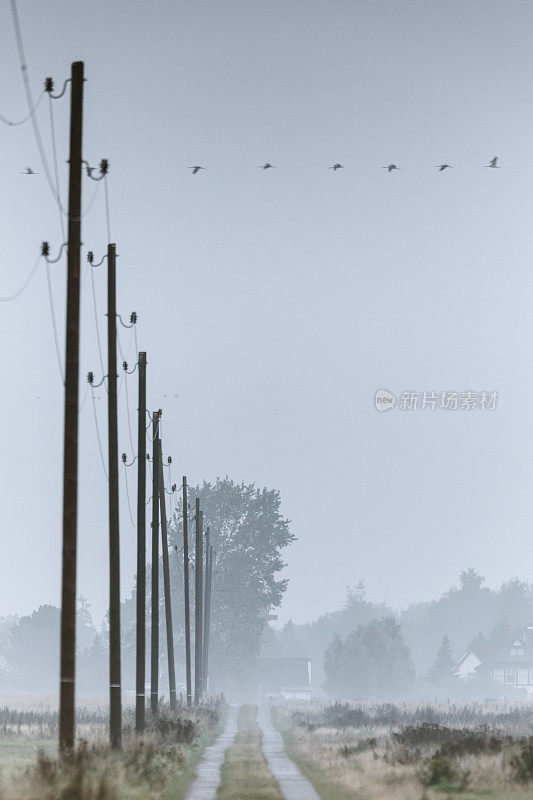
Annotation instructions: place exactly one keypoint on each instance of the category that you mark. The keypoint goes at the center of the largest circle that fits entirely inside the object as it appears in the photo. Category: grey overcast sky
(274, 304)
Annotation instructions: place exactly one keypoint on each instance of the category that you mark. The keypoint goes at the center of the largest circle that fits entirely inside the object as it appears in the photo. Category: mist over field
(265, 306)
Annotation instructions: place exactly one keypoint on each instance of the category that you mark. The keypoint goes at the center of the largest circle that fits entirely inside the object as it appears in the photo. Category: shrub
(522, 763)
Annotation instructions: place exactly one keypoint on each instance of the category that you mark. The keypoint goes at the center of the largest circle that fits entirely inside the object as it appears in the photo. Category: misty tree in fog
(373, 662)
(441, 672)
(248, 534)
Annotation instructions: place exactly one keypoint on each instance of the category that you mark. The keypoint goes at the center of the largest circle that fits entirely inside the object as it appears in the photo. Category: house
(513, 666)
(289, 678)
(466, 667)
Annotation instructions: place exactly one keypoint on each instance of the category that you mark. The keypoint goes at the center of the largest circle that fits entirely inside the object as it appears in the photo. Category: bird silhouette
(335, 167)
(267, 165)
(390, 167)
(196, 169)
(29, 171)
(442, 167)
(493, 163)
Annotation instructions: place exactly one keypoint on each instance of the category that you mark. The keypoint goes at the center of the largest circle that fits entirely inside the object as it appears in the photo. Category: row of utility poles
(203, 569)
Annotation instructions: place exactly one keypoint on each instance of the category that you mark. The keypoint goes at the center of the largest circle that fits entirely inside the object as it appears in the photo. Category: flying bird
(29, 171)
(267, 165)
(335, 167)
(442, 167)
(493, 163)
(196, 169)
(390, 167)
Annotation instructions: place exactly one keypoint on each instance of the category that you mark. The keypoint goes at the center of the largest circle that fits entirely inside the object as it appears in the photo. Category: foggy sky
(275, 304)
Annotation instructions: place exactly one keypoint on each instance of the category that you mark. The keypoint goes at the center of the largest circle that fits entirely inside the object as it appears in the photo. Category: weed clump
(521, 764)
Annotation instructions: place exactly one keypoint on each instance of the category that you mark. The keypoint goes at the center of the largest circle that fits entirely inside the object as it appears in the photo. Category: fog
(273, 305)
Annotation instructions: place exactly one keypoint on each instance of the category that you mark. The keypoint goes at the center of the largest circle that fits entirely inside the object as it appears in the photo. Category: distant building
(513, 666)
(289, 678)
(466, 667)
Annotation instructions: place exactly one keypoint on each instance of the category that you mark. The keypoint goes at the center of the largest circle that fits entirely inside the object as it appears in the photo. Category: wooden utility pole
(140, 705)
(154, 651)
(70, 441)
(166, 581)
(207, 608)
(188, 677)
(198, 604)
(115, 700)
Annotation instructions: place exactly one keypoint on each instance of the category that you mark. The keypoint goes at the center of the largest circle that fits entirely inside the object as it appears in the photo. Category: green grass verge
(153, 769)
(325, 786)
(245, 774)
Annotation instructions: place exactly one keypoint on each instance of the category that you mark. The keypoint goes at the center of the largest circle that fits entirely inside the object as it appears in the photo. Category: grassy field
(158, 767)
(409, 753)
(245, 774)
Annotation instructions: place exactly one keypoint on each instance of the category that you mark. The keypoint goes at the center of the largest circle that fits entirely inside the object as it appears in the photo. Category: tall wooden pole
(166, 582)
(115, 700)
(154, 650)
(198, 605)
(70, 440)
(140, 704)
(207, 610)
(188, 676)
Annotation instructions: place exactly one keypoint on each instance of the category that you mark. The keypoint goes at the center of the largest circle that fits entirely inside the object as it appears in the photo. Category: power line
(97, 429)
(54, 324)
(9, 297)
(29, 99)
(95, 308)
(107, 214)
(13, 124)
(54, 155)
(128, 410)
(128, 495)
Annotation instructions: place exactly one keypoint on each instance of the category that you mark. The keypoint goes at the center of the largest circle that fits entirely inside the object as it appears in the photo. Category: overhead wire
(15, 123)
(107, 212)
(29, 99)
(128, 494)
(128, 412)
(54, 156)
(54, 323)
(97, 429)
(15, 295)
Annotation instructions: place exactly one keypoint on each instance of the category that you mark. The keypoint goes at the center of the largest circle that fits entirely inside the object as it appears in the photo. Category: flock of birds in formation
(493, 164)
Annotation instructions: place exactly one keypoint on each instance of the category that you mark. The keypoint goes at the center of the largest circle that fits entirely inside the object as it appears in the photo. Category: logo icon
(384, 400)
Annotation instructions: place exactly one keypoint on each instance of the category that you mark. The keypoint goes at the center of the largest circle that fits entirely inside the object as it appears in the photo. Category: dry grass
(369, 763)
(245, 774)
(159, 766)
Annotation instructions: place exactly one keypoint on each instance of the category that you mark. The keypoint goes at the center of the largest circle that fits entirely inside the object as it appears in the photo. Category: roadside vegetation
(245, 774)
(390, 752)
(160, 765)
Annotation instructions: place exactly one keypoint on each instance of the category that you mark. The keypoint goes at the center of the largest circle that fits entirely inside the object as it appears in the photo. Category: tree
(248, 534)
(471, 582)
(375, 661)
(332, 662)
(441, 671)
(34, 650)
